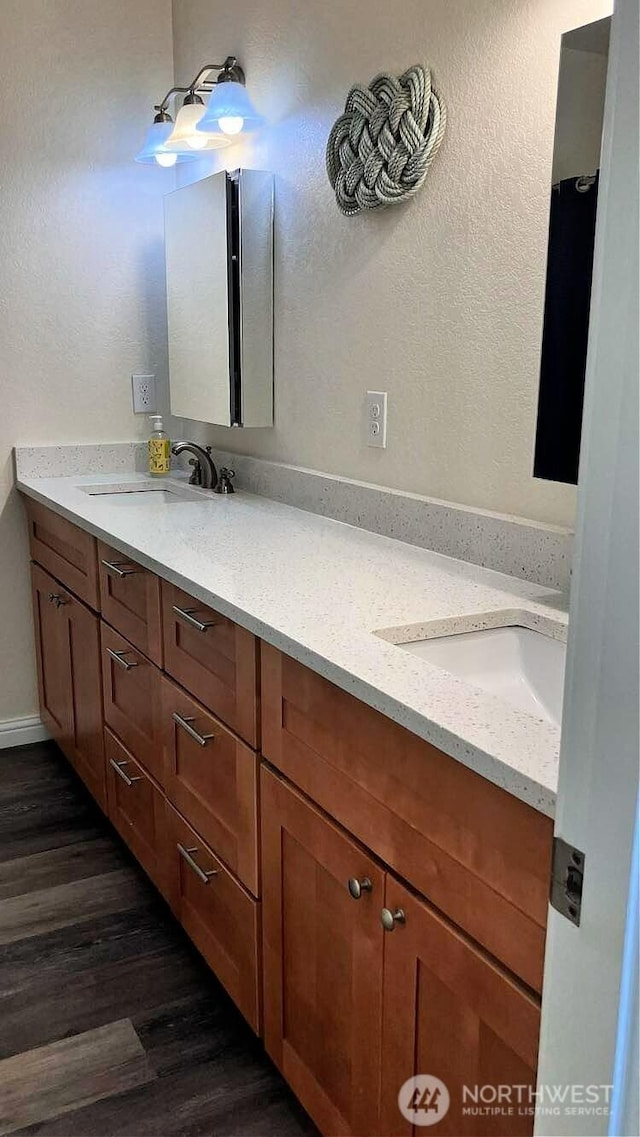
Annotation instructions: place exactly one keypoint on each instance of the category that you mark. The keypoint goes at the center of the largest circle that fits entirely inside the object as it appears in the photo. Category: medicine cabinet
(219, 272)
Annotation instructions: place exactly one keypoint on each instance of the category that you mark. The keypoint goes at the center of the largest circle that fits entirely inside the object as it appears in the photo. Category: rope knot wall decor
(380, 150)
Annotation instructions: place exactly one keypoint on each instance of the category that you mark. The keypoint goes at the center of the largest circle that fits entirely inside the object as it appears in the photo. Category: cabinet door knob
(357, 887)
(55, 598)
(389, 919)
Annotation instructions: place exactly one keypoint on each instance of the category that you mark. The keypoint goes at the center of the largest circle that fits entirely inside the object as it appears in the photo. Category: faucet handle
(196, 476)
(225, 481)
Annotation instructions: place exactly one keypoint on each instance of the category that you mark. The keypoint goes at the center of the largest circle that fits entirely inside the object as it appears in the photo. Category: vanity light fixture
(199, 128)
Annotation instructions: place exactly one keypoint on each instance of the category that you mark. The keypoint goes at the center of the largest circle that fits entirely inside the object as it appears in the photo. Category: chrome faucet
(204, 470)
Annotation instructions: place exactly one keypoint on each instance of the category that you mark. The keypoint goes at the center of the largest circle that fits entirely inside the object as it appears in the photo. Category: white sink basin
(156, 492)
(520, 666)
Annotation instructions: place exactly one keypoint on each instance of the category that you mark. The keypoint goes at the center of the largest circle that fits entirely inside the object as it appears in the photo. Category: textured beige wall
(81, 251)
(439, 302)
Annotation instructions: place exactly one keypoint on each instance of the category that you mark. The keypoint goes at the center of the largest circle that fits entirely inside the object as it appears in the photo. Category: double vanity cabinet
(375, 908)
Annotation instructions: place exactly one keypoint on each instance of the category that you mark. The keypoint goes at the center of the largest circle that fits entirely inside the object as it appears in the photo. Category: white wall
(81, 253)
(439, 302)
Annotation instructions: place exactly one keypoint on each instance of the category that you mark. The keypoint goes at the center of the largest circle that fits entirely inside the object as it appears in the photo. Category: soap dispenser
(159, 447)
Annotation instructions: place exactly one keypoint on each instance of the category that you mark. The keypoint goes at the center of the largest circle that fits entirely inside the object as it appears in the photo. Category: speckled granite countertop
(319, 589)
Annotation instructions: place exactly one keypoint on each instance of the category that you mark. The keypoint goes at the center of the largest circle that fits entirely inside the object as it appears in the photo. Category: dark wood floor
(110, 1021)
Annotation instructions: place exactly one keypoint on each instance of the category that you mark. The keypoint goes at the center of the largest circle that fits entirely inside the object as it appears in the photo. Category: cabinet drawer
(131, 686)
(211, 778)
(216, 912)
(213, 658)
(130, 601)
(136, 807)
(476, 852)
(66, 551)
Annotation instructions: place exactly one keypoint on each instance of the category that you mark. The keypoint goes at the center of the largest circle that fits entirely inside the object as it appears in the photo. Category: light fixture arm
(229, 70)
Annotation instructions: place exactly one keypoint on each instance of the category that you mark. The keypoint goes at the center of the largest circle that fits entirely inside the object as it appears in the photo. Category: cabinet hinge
(567, 876)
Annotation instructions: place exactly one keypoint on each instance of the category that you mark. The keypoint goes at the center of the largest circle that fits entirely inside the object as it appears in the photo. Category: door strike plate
(567, 877)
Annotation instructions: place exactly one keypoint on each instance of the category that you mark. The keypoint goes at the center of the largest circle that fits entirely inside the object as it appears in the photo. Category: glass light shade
(230, 110)
(154, 151)
(185, 137)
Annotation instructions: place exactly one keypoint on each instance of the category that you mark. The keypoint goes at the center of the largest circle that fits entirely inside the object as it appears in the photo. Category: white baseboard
(22, 732)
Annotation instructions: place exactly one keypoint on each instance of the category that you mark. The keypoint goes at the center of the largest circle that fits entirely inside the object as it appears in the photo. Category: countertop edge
(524, 787)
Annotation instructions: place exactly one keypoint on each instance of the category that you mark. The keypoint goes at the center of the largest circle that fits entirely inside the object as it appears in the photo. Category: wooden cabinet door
(322, 959)
(213, 658)
(68, 660)
(217, 913)
(212, 779)
(449, 1011)
(88, 738)
(136, 807)
(132, 700)
(53, 656)
(130, 601)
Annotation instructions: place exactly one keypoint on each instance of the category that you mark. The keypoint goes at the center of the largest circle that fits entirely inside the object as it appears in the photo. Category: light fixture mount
(203, 83)
(231, 72)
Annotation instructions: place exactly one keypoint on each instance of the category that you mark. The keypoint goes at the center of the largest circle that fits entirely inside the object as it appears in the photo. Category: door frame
(598, 781)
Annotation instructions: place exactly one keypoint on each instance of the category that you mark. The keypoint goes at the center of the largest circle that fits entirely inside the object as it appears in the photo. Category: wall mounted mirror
(219, 268)
(574, 197)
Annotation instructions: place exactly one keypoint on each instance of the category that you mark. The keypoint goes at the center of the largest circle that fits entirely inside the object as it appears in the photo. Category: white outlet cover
(143, 388)
(376, 419)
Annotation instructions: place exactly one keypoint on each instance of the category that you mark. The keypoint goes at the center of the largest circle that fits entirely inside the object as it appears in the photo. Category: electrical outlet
(376, 419)
(144, 394)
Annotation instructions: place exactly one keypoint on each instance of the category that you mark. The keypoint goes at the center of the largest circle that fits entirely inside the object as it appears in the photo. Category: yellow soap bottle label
(159, 455)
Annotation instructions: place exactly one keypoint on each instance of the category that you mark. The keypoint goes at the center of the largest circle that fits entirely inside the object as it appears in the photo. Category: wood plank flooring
(111, 1024)
(71, 1073)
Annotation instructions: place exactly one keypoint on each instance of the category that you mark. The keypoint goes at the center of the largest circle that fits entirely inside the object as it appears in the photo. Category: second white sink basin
(520, 666)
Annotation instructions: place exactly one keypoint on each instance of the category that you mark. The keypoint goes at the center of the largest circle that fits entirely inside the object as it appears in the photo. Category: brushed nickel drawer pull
(187, 615)
(357, 887)
(116, 568)
(117, 766)
(389, 919)
(57, 599)
(185, 724)
(118, 657)
(186, 856)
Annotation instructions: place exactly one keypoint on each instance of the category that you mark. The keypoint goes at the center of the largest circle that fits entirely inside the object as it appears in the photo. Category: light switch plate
(143, 388)
(376, 419)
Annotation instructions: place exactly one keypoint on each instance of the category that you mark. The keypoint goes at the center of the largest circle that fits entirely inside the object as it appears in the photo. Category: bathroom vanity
(376, 907)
